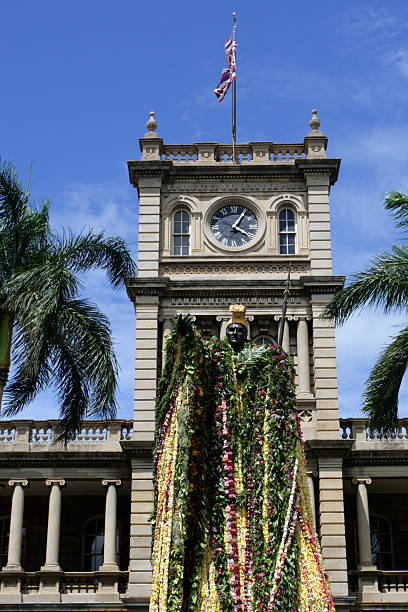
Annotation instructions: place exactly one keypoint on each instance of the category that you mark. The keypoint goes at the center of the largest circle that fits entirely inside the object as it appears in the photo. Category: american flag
(228, 73)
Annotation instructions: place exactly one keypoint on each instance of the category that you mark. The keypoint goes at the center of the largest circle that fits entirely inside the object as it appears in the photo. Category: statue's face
(236, 334)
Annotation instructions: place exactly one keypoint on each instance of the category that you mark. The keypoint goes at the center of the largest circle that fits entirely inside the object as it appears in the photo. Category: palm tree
(47, 332)
(384, 284)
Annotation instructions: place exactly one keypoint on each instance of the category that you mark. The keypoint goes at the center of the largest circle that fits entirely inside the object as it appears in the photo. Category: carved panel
(228, 187)
(232, 268)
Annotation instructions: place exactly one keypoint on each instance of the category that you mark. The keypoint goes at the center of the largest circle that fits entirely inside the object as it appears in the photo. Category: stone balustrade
(65, 584)
(386, 588)
(365, 438)
(260, 152)
(26, 435)
(393, 581)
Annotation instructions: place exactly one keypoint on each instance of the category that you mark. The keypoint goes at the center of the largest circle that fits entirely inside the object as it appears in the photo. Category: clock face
(234, 225)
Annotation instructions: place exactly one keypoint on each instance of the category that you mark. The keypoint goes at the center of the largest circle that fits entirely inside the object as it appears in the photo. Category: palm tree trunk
(6, 331)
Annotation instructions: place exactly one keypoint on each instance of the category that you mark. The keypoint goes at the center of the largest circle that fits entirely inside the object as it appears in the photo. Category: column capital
(18, 481)
(366, 480)
(106, 482)
(301, 317)
(312, 473)
(55, 481)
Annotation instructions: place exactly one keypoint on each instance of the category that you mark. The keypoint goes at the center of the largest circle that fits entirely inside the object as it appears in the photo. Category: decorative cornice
(207, 286)
(136, 448)
(328, 448)
(231, 172)
(72, 459)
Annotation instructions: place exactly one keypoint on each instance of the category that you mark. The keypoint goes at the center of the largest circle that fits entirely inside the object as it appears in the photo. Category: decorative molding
(214, 185)
(283, 199)
(305, 415)
(18, 481)
(232, 268)
(107, 482)
(55, 481)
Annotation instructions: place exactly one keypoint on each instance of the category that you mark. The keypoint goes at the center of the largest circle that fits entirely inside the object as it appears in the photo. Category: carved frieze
(236, 186)
(248, 300)
(233, 268)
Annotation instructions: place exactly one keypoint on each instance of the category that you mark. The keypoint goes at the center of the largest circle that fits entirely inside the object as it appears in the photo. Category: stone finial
(315, 124)
(151, 126)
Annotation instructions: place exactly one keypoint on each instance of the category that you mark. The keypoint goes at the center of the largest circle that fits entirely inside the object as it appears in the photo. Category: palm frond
(383, 384)
(12, 196)
(71, 389)
(397, 203)
(90, 251)
(88, 331)
(384, 284)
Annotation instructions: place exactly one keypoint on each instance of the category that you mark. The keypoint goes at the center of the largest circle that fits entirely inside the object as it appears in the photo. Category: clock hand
(235, 225)
(242, 231)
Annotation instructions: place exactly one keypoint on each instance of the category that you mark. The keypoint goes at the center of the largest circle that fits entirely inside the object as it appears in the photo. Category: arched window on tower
(181, 233)
(287, 232)
(93, 544)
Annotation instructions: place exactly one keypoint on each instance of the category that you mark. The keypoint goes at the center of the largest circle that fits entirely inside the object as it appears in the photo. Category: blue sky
(79, 79)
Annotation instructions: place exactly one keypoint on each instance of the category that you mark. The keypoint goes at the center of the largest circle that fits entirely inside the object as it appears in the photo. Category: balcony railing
(365, 438)
(269, 152)
(21, 584)
(393, 582)
(27, 435)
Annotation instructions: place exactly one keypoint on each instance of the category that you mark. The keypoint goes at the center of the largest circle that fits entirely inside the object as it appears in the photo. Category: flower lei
(232, 526)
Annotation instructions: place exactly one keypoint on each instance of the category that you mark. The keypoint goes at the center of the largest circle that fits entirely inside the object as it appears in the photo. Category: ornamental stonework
(237, 268)
(217, 186)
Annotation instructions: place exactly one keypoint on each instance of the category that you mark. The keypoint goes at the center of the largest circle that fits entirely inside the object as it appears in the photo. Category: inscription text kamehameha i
(236, 186)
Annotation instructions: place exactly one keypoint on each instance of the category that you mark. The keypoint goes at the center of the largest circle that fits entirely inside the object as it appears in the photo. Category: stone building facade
(74, 531)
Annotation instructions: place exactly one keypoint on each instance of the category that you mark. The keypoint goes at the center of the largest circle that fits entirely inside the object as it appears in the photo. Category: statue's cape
(232, 523)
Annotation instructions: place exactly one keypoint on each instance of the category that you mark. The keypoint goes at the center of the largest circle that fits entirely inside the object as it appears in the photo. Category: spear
(284, 307)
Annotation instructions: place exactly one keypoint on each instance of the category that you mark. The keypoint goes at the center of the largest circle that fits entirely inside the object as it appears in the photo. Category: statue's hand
(184, 323)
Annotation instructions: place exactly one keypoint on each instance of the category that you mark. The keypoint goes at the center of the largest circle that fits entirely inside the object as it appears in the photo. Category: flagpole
(234, 102)
(284, 307)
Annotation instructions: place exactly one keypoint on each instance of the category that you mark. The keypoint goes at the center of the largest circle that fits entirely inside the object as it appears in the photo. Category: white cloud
(398, 58)
(103, 206)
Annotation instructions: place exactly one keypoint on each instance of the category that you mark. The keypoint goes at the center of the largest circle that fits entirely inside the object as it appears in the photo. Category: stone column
(167, 324)
(54, 525)
(16, 524)
(286, 337)
(224, 323)
(332, 526)
(149, 226)
(147, 310)
(363, 521)
(310, 484)
(325, 371)
(109, 548)
(318, 188)
(141, 506)
(303, 366)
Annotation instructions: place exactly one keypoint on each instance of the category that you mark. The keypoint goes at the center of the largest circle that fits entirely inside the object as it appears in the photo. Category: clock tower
(214, 231)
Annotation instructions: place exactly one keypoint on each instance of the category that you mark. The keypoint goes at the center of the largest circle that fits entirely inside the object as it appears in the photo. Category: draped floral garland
(232, 523)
